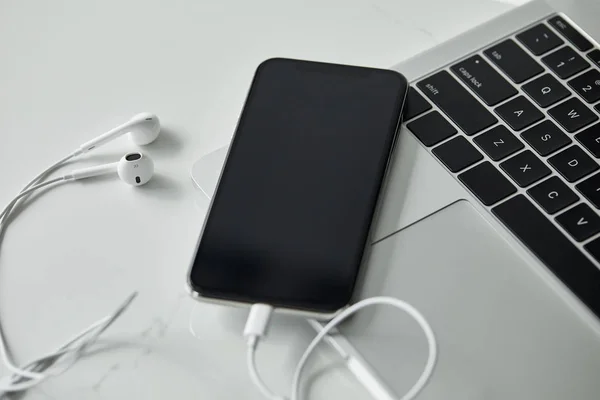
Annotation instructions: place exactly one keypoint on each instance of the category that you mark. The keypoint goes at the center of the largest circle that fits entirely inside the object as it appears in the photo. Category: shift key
(453, 99)
(484, 80)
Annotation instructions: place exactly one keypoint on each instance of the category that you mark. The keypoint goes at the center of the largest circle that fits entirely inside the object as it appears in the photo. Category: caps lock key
(484, 80)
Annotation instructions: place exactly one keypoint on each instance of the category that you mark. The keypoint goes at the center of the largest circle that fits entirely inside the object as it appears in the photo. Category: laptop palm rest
(503, 332)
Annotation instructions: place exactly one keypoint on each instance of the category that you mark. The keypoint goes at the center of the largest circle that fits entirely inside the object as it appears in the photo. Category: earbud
(142, 128)
(134, 169)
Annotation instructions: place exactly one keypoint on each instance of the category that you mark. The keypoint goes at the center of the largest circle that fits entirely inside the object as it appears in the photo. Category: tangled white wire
(259, 319)
(30, 375)
(38, 370)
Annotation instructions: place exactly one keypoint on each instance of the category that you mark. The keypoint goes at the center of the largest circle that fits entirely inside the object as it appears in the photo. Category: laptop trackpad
(503, 332)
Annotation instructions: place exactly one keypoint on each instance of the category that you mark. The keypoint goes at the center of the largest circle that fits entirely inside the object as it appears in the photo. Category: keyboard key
(519, 113)
(587, 85)
(546, 90)
(593, 248)
(431, 128)
(572, 35)
(590, 139)
(553, 248)
(597, 108)
(565, 62)
(573, 164)
(590, 189)
(546, 138)
(514, 61)
(498, 143)
(595, 57)
(553, 195)
(457, 154)
(580, 221)
(415, 104)
(461, 106)
(525, 168)
(573, 115)
(539, 39)
(481, 78)
(487, 183)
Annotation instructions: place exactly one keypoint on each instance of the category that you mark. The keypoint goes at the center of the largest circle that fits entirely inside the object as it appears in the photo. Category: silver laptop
(491, 217)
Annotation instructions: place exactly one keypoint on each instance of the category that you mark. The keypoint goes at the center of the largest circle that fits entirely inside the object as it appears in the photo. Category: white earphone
(135, 169)
(143, 129)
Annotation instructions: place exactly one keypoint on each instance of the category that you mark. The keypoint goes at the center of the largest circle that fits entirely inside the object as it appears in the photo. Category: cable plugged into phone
(256, 329)
(258, 323)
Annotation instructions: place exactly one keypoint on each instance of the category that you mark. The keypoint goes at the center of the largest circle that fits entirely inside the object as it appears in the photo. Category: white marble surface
(71, 70)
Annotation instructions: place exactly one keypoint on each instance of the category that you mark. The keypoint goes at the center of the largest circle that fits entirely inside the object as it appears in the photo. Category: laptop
(490, 223)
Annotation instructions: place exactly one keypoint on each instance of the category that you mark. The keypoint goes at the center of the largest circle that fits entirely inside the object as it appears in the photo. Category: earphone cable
(143, 129)
(28, 191)
(38, 177)
(32, 186)
(3, 345)
(18, 382)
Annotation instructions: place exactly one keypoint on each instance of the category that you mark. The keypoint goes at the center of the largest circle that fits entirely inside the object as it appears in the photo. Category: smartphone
(291, 216)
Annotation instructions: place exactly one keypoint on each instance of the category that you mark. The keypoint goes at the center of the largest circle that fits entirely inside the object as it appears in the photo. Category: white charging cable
(258, 322)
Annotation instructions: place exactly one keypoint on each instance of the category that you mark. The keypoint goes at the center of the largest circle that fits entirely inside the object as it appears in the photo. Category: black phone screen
(291, 215)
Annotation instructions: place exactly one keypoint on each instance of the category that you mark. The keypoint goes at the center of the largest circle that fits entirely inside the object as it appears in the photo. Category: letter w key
(573, 115)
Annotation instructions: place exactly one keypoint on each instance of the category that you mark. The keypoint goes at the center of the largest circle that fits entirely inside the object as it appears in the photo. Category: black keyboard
(517, 123)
